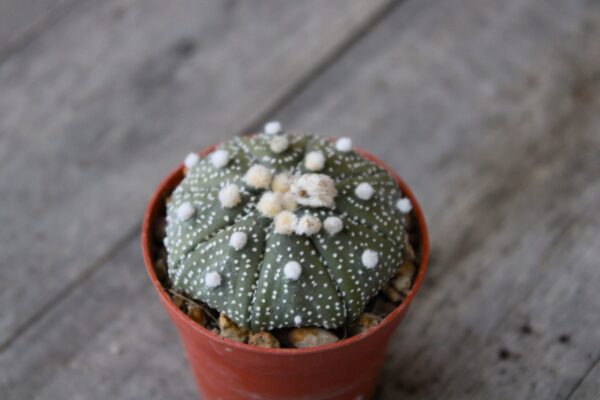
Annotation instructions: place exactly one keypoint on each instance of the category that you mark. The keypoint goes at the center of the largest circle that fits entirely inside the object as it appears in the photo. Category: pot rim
(174, 177)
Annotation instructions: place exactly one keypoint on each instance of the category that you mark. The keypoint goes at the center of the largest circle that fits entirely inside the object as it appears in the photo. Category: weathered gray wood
(22, 20)
(488, 109)
(102, 105)
(91, 346)
(590, 386)
(478, 110)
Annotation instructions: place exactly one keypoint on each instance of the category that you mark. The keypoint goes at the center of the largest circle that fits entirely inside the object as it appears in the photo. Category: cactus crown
(281, 230)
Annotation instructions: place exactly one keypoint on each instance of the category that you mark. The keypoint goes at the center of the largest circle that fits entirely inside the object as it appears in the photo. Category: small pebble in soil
(196, 313)
(391, 294)
(230, 330)
(309, 337)
(263, 339)
(364, 322)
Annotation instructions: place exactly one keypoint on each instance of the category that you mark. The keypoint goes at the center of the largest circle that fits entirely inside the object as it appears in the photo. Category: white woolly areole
(229, 196)
(212, 279)
(269, 204)
(191, 160)
(279, 144)
(285, 223)
(219, 158)
(364, 191)
(314, 161)
(333, 225)
(281, 182)
(297, 320)
(308, 225)
(344, 144)
(238, 240)
(370, 258)
(288, 202)
(185, 211)
(292, 270)
(272, 128)
(258, 176)
(314, 190)
(404, 205)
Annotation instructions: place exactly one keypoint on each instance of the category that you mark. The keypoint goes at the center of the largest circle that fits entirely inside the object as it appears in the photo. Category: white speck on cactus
(314, 161)
(297, 320)
(333, 225)
(272, 128)
(314, 190)
(308, 225)
(370, 258)
(269, 204)
(344, 144)
(292, 270)
(191, 160)
(219, 158)
(364, 191)
(212, 279)
(238, 240)
(279, 144)
(229, 196)
(285, 223)
(288, 202)
(404, 205)
(281, 183)
(258, 176)
(185, 211)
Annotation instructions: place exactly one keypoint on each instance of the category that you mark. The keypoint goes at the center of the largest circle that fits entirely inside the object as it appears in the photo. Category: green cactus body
(307, 238)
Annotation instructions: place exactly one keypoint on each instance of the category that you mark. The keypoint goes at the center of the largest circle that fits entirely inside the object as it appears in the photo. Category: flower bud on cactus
(279, 230)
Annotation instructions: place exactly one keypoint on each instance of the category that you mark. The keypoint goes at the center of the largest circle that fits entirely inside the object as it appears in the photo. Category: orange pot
(224, 369)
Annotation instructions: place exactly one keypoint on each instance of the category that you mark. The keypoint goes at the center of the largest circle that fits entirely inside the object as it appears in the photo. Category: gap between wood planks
(132, 234)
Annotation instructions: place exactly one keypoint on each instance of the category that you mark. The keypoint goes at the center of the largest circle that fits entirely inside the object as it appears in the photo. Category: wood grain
(488, 109)
(21, 21)
(102, 105)
(484, 119)
(590, 385)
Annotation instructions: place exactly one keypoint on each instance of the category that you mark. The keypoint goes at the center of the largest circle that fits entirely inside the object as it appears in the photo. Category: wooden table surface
(489, 109)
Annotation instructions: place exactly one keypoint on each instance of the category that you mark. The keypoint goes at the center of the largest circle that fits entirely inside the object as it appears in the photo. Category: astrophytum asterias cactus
(281, 230)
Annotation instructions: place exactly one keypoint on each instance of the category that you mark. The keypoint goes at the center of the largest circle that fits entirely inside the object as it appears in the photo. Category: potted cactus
(272, 254)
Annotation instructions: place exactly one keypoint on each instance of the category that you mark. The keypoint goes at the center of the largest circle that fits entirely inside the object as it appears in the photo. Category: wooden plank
(504, 161)
(478, 109)
(22, 20)
(590, 386)
(103, 104)
(92, 347)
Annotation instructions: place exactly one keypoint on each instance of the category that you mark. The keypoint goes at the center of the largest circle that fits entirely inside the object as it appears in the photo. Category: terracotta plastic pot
(224, 369)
